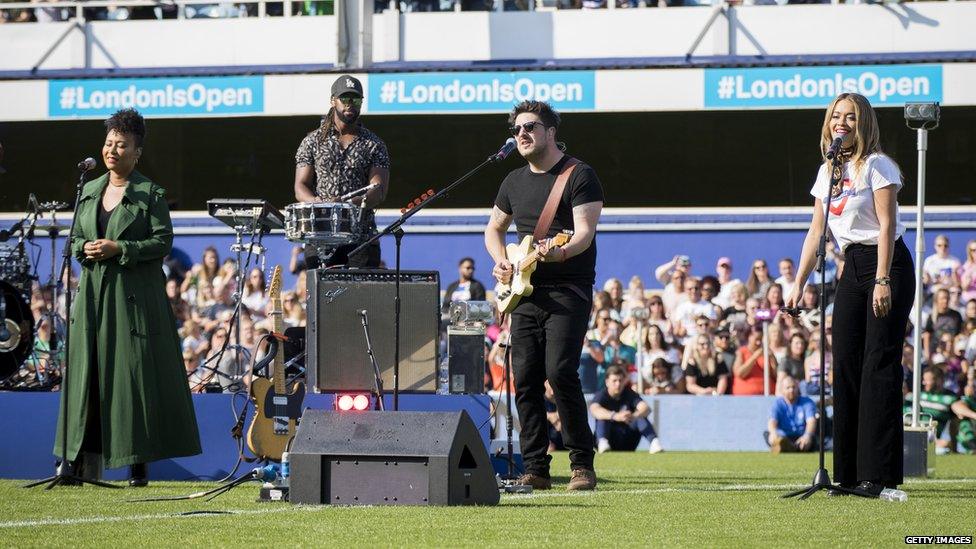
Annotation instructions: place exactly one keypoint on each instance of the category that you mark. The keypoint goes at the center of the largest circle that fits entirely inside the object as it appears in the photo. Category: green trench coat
(121, 316)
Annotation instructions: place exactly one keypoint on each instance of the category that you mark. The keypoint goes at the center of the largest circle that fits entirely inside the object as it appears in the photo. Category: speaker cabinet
(337, 358)
(466, 360)
(390, 458)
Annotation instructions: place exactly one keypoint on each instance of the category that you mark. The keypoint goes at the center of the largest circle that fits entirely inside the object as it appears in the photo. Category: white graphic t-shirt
(852, 217)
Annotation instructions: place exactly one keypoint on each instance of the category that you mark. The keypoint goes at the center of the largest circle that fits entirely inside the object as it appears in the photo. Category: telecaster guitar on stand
(276, 407)
(524, 258)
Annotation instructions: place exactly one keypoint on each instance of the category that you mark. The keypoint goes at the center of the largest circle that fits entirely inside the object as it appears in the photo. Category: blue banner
(883, 85)
(216, 95)
(479, 91)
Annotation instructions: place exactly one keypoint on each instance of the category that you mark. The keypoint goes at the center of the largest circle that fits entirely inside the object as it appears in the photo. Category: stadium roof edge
(713, 61)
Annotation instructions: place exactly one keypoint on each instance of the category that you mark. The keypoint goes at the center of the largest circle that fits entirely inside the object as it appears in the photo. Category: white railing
(75, 9)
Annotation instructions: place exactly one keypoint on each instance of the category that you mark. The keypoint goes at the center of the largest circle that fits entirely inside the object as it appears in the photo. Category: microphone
(362, 313)
(358, 192)
(87, 164)
(834, 148)
(509, 146)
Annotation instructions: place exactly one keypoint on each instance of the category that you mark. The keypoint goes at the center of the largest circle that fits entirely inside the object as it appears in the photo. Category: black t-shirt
(948, 322)
(523, 195)
(628, 400)
(707, 381)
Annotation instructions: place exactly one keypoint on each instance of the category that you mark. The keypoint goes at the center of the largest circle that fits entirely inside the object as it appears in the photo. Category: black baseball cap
(346, 84)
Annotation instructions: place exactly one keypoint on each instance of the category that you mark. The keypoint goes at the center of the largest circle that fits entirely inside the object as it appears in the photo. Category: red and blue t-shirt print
(839, 201)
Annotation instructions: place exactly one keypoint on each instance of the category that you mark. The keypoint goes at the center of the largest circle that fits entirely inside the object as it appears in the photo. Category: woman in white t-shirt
(873, 297)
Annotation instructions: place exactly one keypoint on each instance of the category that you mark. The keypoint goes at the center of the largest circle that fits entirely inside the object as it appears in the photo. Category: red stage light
(344, 403)
(361, 402)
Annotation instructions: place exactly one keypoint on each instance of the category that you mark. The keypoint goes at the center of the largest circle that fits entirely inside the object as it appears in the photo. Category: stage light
(344, 403)
(922, 112)
(360, 402)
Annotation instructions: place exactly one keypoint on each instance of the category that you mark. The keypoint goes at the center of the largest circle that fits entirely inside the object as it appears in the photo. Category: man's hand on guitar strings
(549, 253)
(503, 271)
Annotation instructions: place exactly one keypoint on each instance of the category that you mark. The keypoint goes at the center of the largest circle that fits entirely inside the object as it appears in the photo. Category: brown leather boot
(583, 479)
(537, 482)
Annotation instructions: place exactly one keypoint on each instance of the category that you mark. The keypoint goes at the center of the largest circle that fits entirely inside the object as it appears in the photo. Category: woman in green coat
(128, 397)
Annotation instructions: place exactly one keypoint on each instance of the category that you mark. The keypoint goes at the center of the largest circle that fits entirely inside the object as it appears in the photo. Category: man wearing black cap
(342, 156)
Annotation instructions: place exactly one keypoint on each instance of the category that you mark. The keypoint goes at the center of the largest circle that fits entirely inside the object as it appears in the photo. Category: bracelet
(883, 281)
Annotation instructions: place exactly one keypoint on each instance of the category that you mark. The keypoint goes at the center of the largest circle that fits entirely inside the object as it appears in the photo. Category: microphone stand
(821, 480)
(65, 474)
(395, 229)
(377, 377)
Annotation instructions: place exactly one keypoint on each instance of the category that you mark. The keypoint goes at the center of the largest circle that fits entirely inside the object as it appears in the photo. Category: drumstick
(357, 192)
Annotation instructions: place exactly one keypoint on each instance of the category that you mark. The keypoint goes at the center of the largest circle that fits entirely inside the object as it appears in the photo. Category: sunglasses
(357, 101)
(759, 267)
(691, 288)
(529, 127)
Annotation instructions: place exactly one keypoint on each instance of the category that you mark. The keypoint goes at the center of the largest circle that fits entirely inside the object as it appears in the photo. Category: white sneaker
(656, 447)
(602, 445)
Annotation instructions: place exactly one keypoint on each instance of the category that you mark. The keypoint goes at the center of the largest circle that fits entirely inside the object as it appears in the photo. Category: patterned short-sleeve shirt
(339, 171)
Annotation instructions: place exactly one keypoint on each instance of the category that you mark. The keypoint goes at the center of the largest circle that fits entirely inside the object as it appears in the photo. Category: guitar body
(508, 295)
(262, 439)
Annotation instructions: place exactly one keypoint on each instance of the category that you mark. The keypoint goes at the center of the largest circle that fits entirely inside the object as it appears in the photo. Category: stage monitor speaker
(337, 358)
(390, 458)
(466, 359)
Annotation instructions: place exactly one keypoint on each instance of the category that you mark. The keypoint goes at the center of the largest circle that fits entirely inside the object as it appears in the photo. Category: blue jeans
(625, 436)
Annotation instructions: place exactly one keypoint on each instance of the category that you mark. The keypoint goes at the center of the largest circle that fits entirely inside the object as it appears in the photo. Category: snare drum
(324, 223)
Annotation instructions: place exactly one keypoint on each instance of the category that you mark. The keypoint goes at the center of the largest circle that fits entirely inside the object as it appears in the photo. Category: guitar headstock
(561, 238)
(275, 292)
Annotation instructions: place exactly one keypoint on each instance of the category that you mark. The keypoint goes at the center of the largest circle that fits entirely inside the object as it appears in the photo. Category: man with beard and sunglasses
(339, 157)
(549, 326)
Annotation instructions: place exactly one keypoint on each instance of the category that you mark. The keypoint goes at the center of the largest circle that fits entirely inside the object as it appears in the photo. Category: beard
(351, 119)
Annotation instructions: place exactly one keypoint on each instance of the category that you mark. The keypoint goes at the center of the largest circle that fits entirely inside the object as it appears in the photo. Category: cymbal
(52, 227)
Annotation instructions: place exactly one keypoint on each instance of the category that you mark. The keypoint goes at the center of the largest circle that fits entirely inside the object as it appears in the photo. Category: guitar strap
(552, 203)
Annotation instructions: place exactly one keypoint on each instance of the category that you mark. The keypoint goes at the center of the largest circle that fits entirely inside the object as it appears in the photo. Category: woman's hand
(881, 303)
(101, 249)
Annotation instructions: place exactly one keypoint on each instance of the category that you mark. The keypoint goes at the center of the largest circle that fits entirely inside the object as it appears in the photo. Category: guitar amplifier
(337, 359)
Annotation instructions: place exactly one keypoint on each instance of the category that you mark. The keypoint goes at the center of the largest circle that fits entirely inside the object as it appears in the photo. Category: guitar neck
(279, 362)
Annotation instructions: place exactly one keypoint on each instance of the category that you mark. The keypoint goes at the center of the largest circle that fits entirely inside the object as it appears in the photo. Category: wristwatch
(883, 281)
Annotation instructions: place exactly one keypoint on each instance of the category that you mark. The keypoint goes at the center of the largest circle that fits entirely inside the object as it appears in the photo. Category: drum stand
(242, 354)
(52, 314)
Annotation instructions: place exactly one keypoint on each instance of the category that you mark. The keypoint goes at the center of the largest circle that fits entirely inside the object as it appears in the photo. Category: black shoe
(872, 489)
(834, 492)
(137, 475)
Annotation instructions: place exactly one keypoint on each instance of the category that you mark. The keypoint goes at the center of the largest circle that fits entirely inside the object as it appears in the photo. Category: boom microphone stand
(395, 229)
(65, 474)
(821, 480)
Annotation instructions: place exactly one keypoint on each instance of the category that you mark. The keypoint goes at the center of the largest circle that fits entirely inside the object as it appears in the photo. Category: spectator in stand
(724, 349)
(658, 317)
(810, 316)
(937, 402)
(970, 313)
(615, 288)
(293, 314)
(601, 302)
(181, 309)
(967, 273)
(633, 299)
(955, 300)
(965, 410)
(673, 293)
(706, 372)
(204, 272)
(621, 416)
(661, 381)
(710, 289)
(942, 320)
(776, 341)
(814, 376)
(685, 317)
(193, 339)
(734, 316)
(787, 275)
(939, 269)
(792, 421)
(618, 354)
(752, 322)
(792, 365)
(255, 293)
(750, 367)
(773, 299)
(724, 271)
(678, 263)
(465, 288)
(759, 280)
(655, 347)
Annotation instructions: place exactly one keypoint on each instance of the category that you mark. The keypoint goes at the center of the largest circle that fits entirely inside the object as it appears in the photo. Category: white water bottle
(892, 494)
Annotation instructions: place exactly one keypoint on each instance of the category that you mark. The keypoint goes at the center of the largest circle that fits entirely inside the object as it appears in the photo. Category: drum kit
(31, 352)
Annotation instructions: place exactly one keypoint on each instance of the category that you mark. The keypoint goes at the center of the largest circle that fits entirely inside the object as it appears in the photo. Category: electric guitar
(524, 258)
(276, 408)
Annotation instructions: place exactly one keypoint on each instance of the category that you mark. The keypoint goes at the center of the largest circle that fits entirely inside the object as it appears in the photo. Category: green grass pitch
(686, 499)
